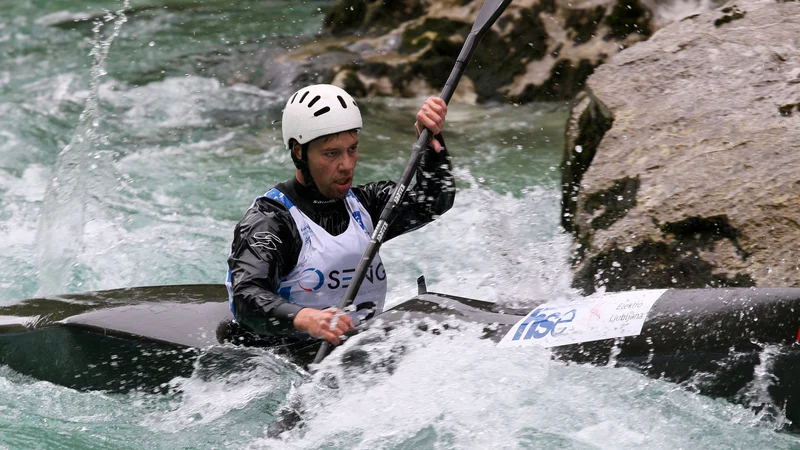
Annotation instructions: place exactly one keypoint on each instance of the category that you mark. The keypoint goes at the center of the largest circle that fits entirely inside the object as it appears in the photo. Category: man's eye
(353, 149)
(330, 154)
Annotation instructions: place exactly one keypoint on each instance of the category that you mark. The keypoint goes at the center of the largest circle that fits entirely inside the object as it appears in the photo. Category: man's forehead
(343, 139)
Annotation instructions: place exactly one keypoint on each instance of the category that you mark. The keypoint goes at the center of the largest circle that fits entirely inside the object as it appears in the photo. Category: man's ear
(297, 149)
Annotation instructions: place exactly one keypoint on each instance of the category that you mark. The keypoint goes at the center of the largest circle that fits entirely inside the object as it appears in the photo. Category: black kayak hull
(720, 340)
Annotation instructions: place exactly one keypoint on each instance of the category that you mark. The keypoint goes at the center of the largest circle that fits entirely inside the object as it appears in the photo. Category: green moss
(628, 17)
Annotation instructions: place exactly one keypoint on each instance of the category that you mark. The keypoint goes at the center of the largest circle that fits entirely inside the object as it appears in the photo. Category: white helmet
(319, 110)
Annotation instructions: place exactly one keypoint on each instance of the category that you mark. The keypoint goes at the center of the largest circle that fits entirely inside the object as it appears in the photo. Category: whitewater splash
(77, 176)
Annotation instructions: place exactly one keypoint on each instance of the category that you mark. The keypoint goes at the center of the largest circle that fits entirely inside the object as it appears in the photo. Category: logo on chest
(306, 232)
(357, 217)
(312, 279)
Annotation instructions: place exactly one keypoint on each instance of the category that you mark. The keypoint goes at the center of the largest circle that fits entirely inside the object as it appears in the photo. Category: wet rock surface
(680, 168)
(537, 51)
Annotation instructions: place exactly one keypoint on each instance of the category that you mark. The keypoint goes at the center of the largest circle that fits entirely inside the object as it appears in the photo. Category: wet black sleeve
(266, 245)
(430, 196)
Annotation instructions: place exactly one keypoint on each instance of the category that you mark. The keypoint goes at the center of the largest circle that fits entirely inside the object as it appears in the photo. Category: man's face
(332, 161)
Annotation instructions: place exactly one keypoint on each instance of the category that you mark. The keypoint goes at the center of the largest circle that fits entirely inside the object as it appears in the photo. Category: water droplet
(152, 44)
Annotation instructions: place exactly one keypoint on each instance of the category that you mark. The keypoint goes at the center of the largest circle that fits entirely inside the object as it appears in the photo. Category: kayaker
(297, 247)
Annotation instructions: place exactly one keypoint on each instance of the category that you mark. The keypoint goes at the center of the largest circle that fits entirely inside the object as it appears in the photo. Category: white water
(189, 154)
(79, 172)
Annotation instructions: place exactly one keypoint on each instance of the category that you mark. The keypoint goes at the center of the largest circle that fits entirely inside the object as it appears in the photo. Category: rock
(680, 166)
(537, 50)
(311, 63)
(370, 16)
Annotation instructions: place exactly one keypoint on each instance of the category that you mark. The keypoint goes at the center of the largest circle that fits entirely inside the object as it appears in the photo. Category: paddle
(489, 12)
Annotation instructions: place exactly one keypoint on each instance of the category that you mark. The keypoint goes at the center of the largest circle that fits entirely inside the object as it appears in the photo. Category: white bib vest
(326, 264)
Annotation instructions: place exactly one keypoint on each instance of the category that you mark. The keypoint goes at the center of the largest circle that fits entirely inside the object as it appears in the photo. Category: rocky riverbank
(680, 164)
(537, 51)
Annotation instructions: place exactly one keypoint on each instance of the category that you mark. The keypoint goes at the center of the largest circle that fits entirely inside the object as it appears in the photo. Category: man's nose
(348, 162)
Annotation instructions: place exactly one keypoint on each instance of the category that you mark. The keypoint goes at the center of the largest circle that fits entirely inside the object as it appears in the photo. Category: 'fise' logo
(539, 324)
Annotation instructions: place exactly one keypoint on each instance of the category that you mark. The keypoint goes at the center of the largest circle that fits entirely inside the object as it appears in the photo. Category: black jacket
(257, 269)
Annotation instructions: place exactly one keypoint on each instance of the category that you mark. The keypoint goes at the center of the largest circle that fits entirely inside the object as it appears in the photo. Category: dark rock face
(628, 17)
(537, 51)
(680, 168)
(371, 16)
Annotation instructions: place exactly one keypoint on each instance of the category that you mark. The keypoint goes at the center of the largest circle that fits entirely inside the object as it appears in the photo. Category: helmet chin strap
(302, 164)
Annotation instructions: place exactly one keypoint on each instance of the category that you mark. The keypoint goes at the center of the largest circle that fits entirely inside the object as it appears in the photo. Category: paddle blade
(489, 12)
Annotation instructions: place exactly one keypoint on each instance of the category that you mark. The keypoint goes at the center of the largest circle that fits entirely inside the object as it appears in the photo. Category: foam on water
(225, 382)
(455, 390)
(66, 210)
(179, 159)
(489, 246)
(19, 209)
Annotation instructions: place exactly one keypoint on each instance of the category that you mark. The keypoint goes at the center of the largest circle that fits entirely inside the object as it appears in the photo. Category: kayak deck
(142, 338)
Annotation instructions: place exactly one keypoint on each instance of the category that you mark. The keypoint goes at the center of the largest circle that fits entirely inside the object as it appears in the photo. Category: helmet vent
(305, 94)
(293, 97)
(322, 111)
(341, 101)
(314, 100)
(354, 104)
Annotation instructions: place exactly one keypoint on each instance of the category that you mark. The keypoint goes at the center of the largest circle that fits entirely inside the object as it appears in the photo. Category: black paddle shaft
(488, 14)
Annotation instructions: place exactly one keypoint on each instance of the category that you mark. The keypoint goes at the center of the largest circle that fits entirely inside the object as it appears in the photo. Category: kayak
(725, 342)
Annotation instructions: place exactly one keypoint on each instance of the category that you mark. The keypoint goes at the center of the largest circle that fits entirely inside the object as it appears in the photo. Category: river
(126, 158)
